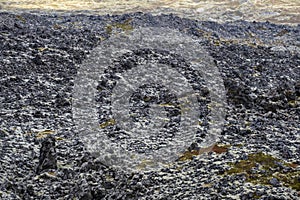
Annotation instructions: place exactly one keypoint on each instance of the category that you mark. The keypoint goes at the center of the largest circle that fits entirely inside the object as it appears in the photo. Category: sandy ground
(277, 11)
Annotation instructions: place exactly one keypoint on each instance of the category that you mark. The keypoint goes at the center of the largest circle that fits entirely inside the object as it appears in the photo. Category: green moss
(125, 26)
(290, 179)
(260, 168)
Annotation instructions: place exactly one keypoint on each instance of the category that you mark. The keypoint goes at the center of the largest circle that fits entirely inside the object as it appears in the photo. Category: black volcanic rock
(39, 58)
(48, 158)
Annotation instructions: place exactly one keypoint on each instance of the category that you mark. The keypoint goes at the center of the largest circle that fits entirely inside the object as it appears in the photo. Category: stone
(47, 159)
(274, 182)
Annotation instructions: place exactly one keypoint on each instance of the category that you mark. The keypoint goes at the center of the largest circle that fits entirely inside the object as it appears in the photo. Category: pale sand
(278, 11)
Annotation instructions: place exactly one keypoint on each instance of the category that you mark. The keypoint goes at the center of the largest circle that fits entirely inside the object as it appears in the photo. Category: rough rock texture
(39, 55)
(47, 159)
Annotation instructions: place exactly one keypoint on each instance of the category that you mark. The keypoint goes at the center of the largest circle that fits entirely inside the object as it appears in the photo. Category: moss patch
(260, 168)
(125, 26)
(216, 148)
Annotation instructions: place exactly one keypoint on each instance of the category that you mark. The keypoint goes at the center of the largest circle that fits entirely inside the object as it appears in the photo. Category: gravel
(43, 157)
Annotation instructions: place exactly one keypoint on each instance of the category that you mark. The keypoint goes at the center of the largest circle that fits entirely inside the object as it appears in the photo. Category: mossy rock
(260, 168)
(125, 26)
(216, 148)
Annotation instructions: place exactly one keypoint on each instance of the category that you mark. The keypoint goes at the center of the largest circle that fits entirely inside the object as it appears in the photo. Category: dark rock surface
(47, 159)
(39, 56)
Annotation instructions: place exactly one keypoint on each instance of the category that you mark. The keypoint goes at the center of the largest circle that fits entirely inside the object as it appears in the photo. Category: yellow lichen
(168, 105)
(44, 133)
(109, 122)
(144, 163)
(59, 138)
(41, 49)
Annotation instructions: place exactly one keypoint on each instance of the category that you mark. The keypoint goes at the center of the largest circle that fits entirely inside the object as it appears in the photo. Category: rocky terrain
(257, 155)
